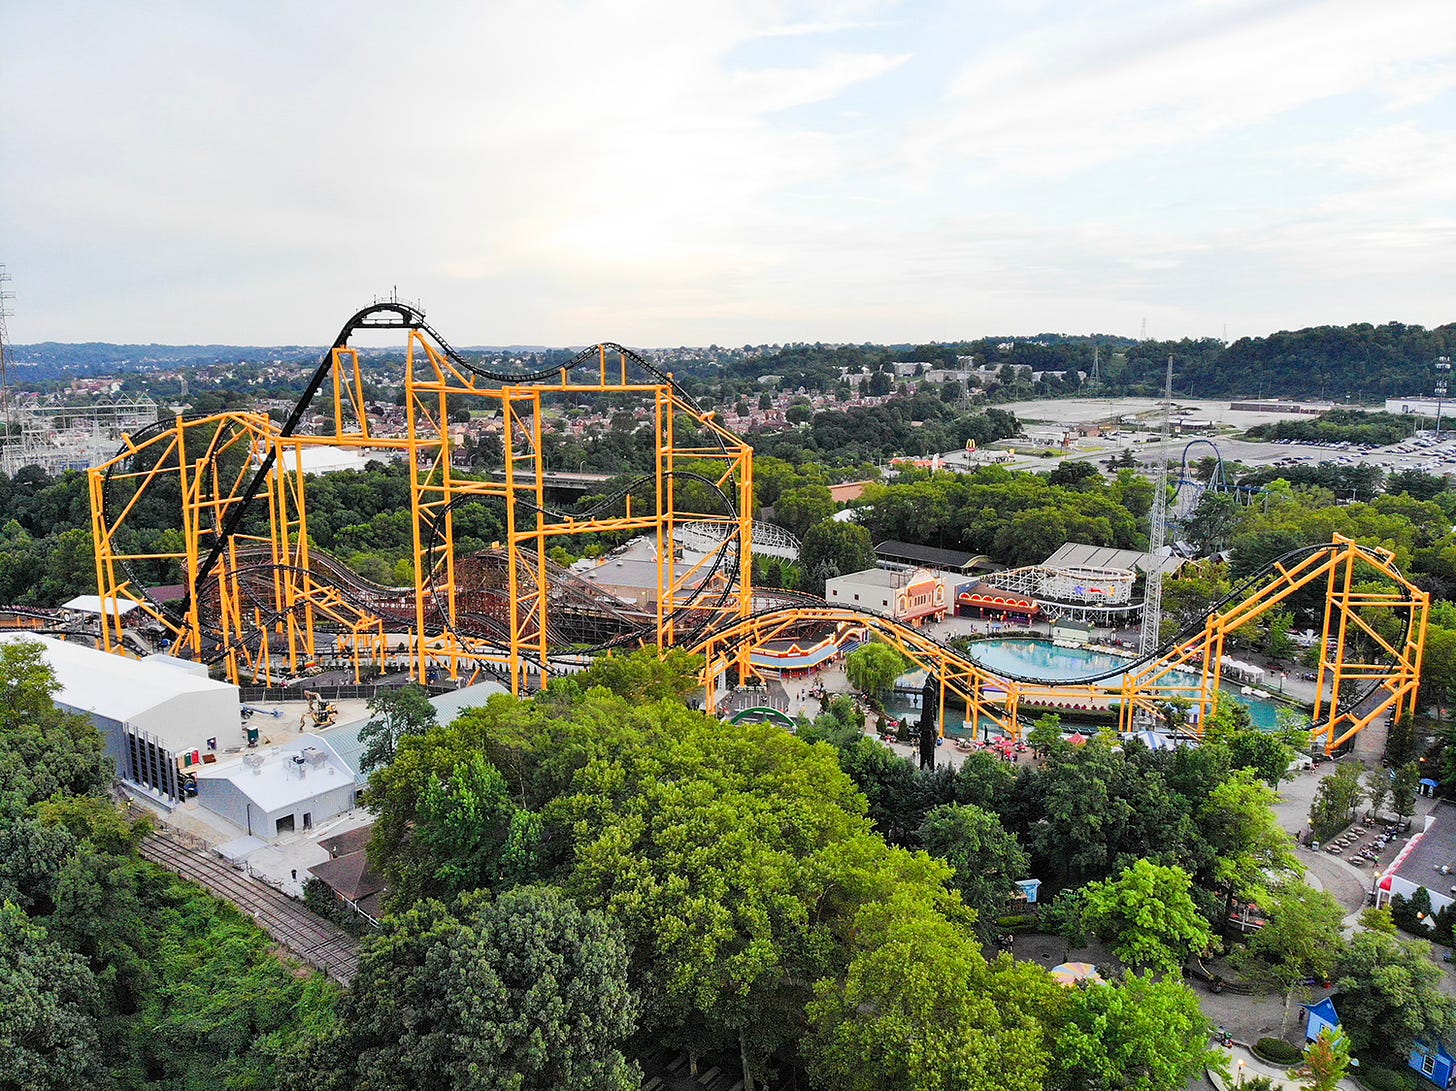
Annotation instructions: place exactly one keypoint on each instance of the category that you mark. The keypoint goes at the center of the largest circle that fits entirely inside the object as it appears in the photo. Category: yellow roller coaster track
(1374, 624)
(218, 503)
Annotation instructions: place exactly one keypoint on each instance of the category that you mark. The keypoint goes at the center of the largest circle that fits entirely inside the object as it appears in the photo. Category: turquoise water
(1041, 659)
(1044, 660)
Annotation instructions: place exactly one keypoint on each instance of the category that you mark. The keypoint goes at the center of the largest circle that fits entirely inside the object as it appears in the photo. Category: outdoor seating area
(1362, 847)
(1003, 747)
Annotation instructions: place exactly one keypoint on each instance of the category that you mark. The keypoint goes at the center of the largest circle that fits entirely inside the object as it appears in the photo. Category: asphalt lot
(1044, 419)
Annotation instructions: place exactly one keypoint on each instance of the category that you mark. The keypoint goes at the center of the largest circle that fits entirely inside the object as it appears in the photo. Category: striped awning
(989, 598)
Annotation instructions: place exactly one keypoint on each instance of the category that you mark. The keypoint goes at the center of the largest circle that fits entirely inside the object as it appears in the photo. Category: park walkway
(1243, 1065)
(318, 942)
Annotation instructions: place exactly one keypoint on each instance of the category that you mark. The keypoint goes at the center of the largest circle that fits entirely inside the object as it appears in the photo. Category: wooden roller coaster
(218, 504)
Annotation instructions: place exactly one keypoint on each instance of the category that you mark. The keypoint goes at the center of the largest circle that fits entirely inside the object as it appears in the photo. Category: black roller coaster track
(692, 606)
(793, 601)
(395, 315)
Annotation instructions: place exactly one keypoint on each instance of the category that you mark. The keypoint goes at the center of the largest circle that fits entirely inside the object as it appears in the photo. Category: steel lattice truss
(1373, 632)
(219, 505)
(769, 540)
(231, 491)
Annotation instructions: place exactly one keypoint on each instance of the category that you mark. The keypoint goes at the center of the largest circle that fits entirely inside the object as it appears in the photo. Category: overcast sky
(664, 173)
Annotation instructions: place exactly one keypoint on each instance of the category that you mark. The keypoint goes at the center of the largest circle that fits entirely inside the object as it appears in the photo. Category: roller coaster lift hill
(218, 503)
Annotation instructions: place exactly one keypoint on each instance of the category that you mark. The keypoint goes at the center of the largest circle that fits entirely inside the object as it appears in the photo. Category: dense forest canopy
(1356, 362)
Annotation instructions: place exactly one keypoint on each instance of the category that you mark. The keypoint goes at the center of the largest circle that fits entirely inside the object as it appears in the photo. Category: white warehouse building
(156, 718)
(287, 789)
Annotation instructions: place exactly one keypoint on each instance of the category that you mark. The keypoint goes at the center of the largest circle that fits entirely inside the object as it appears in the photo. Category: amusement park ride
(218, 503)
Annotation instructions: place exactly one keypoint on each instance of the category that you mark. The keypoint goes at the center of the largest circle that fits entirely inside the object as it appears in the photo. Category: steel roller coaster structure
(219, 504)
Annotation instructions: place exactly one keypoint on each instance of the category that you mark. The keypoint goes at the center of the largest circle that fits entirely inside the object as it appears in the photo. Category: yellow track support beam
(1361, 659)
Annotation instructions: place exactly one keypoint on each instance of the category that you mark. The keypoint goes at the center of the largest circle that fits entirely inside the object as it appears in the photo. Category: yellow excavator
(323, 713)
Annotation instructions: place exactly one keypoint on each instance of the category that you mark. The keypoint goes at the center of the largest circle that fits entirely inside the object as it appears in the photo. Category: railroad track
(316, 941)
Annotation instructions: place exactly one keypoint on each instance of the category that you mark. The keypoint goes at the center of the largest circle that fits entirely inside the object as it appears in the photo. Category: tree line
(113, 973)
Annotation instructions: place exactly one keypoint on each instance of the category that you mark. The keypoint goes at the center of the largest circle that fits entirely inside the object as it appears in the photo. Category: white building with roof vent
(157, 719)
(281, 790)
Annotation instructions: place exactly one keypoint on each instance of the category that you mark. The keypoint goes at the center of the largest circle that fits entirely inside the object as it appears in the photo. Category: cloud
(664, 173)
(1063, 97)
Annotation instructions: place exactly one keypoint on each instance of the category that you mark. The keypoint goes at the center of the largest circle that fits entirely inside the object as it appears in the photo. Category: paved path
(318, 942)
(1243, 1065)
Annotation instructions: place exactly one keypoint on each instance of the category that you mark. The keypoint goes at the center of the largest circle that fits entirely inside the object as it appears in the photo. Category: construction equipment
(323, 713)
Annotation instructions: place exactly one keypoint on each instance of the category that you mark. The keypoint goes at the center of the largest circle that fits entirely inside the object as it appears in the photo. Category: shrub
(1277, 1051)
(1015, 923)
(1379, 1078)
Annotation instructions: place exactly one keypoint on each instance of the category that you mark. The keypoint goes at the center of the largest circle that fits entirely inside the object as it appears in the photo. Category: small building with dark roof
(352, 882)
(918, 556)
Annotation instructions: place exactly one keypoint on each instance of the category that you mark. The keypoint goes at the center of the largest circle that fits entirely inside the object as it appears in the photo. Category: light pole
(1242, 1062)
(1443, 365)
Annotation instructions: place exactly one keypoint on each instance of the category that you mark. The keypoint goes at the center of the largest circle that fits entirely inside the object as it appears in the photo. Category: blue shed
(1320, 1015)
(1434, 1064)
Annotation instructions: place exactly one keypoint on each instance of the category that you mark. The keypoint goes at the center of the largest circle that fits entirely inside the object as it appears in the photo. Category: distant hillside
(1359, 362)
(1337, 362)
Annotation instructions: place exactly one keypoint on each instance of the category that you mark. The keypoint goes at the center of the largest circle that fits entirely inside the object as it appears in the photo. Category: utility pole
(5, 297)
(1443, 367)
(1157, 530)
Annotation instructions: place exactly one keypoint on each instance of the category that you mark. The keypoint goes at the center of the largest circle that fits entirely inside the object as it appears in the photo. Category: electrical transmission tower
(1158, 530)
(5, 297)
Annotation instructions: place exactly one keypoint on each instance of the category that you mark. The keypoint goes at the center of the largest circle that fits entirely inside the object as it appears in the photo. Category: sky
(669, 173)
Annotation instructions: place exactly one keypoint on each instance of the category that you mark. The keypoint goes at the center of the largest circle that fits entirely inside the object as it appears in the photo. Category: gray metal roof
(956, 559)
(450, 705)
(1433, 849)
(1075, 555)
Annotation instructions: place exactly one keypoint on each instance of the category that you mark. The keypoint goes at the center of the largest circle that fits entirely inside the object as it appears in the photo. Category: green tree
(874, 668)
(1149, 915)
(1262, 751)
(985, 860)
(525, 992)
(1391, 996)
(799, 413)
(1045, 733)
(731, 856)
(1326, 1061)
(1214, 523)
(48, 1007)
(1376, 787)
(832, 548)
(393, 715)
(1403, 789)
(1250, 849)
(1301, 940)
(44, 752)
(1072, 472)
(1140, 1034)
(647, 674)
(796, 510)
(1405, 741)
(1335, 800)
(917, 1009)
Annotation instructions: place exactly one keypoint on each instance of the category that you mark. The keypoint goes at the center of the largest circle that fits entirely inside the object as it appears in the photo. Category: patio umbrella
(1070, 973)
(1077, 739)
